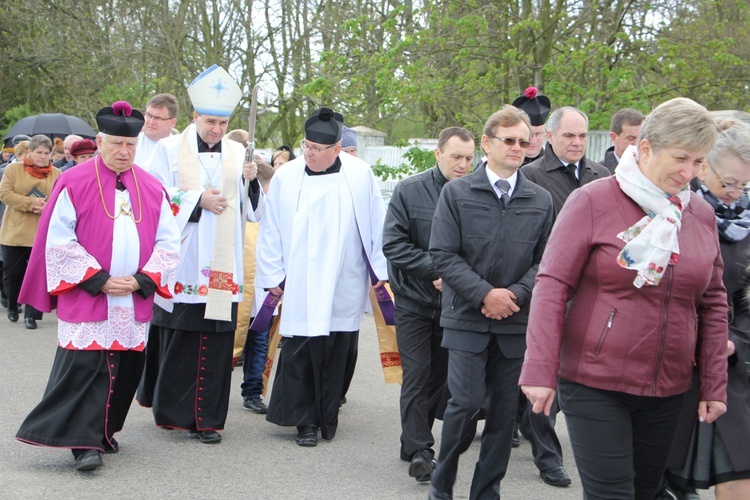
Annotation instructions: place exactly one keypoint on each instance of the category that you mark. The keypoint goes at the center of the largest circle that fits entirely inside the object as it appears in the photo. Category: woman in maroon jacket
(628, 299)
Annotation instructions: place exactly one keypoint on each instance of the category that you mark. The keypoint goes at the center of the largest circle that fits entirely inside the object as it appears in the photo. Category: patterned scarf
(732, 220)
(651, 243)
(34, 170)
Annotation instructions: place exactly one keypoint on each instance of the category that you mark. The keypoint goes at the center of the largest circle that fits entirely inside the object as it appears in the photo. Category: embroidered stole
(219, 298)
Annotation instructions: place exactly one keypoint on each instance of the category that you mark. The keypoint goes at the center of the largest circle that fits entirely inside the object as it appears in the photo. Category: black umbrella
(52, 125)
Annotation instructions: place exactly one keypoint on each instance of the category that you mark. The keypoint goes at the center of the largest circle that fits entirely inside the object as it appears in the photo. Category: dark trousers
(15, 261)
(254, 361)
(621, 442)
(489, 380)
(539, 429)
(424, 387)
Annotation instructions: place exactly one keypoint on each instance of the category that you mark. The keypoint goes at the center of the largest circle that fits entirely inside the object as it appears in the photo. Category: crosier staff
(254, 112)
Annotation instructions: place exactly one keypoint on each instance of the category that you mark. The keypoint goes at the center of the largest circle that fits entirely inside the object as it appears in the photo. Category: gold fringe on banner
(274, 337)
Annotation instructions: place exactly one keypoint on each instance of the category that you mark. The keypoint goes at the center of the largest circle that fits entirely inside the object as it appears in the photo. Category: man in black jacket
(623, 130)
(564, 166)
(488, 235)
(417, 289)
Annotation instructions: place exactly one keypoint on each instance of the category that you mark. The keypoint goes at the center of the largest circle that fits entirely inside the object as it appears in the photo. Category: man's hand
(730, 348)
(38, 206)
(541, 398)
(119, 287)
(438, 283)
(708, 411)
(276, 291)
(250, 171)
(378, 284)
(212, 201)
(499, 303)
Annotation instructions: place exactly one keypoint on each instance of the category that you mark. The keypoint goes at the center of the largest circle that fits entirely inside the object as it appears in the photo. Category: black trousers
(489, 380)
(621, 442)
(15, 261)
(539, 429)
(424, 388)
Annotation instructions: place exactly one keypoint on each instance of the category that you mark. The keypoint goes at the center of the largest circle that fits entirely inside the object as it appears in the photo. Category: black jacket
(406, 239)
(549, 172)
(478, 244)
(610, 160)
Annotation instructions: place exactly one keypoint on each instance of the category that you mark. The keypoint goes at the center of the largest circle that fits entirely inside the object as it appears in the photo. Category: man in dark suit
(623, 130)
(488, 235)
(564, 166)
(67, 161)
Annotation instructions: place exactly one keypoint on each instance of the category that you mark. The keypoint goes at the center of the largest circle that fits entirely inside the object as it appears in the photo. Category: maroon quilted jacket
(589, 324)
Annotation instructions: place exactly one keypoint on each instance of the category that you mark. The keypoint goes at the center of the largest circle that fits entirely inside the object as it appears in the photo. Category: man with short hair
(488, 235)
(416, 287)
(538, 108)
(107, 242)
(321, 232)
(623, 130)
(203, 174)
(564, 166)
(161, 117)
(239, 135)
(67, 162)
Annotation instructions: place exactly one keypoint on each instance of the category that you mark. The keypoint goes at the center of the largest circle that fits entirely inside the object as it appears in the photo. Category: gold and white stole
(221, 278)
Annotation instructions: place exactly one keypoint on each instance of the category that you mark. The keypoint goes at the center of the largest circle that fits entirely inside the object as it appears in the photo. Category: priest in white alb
(107, 243)
(203, 172)
(321, 231)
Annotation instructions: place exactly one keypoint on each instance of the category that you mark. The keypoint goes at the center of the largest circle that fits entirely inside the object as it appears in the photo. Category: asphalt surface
(256, 459)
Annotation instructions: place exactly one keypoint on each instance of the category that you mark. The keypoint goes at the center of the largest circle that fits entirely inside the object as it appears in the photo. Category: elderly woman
(628, 298)
(717, 454)
(83, 150)
(24, 190)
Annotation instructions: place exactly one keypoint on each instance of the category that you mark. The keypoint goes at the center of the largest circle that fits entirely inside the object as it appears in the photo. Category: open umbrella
(52, 125)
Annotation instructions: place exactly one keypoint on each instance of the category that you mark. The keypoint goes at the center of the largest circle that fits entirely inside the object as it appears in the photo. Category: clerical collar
(120, 186)
(333, 169)
(203, 146)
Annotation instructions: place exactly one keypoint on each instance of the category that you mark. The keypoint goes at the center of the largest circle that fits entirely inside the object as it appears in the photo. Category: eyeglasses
(511, 141)
(737, 188)
(149, 116)
(314, 149)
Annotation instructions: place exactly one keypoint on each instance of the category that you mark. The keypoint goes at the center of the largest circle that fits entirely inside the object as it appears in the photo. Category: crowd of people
(532, 281)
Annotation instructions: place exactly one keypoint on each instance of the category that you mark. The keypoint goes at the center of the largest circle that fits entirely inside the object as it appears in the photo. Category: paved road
(256, 459)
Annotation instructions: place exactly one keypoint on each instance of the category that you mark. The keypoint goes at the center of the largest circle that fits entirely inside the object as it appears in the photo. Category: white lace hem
(68, 263)
(120, 327)
(164, 264)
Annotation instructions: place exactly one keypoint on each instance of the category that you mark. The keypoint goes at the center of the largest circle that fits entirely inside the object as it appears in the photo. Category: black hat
(324, 126)
(120, 119)
(536, 106)
(20, 137)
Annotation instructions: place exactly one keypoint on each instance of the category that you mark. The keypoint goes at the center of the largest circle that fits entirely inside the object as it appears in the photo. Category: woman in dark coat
(718, 454)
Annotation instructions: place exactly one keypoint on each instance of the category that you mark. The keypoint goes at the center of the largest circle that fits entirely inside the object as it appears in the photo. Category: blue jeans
(256, 350)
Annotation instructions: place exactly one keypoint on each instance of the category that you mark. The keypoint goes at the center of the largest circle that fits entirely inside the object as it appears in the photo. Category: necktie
(504, 186)
(572, 168)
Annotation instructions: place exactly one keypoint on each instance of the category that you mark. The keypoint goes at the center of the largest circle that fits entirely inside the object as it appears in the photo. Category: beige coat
(19, 222)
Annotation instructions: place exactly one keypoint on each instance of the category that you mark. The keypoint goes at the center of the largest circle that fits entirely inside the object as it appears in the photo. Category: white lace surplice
(67, 261)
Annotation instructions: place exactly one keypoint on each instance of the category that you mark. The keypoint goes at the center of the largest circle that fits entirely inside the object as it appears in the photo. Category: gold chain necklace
(124, 209)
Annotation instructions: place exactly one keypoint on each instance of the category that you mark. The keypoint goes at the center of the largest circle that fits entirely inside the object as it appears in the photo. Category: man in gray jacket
(488, 235)
(417, 287)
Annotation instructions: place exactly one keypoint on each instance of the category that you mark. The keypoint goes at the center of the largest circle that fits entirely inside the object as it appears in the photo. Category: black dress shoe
(307, 435)
(420, 466)
(111, 446)
(30, 323)
(4, 302)
(556, 476)
(13, 316)
(89, 460)
(206, 437)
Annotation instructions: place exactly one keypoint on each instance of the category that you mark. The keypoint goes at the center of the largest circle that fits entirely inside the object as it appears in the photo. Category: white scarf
(651, 243)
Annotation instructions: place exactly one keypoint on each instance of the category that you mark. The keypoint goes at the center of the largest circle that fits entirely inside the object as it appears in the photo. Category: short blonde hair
(21, 148)
(680, 123)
